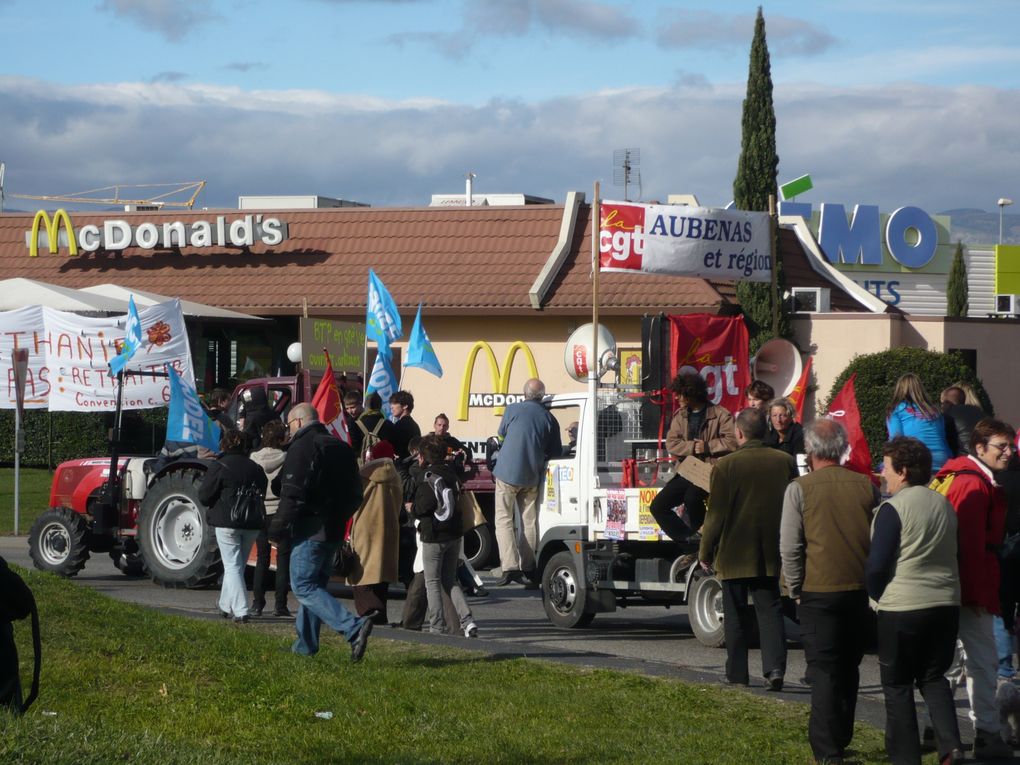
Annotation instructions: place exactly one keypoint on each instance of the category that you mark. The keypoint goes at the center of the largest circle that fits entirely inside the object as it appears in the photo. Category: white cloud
(692, 28)
(938, 148)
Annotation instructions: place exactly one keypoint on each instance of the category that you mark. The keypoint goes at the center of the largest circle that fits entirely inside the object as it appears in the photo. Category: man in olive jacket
(740, 540)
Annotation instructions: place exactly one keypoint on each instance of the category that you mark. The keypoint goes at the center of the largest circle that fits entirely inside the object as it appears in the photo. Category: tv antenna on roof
(625, 170)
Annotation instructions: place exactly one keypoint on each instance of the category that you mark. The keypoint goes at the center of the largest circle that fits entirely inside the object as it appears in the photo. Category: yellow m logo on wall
(500, 380)
(52, 232)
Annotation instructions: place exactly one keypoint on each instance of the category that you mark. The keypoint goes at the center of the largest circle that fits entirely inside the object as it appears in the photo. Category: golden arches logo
(500, 380)
(52, 232)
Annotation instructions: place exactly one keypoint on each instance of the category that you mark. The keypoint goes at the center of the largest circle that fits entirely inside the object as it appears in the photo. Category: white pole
(17, 468)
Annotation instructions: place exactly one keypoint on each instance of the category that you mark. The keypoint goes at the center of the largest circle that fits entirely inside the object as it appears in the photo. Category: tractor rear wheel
(178, 546)
(59, 542)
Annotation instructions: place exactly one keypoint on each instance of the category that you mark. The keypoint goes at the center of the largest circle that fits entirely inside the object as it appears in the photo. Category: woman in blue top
(912, 414)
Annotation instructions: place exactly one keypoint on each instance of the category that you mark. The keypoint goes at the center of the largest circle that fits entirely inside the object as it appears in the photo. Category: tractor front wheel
(59, 542)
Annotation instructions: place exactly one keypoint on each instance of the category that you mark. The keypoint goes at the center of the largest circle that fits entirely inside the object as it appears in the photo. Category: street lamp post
(1003, 202)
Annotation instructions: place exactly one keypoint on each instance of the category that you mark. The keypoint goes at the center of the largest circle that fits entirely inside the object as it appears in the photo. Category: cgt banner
(69, 356)
(685, 241)
(716, 347)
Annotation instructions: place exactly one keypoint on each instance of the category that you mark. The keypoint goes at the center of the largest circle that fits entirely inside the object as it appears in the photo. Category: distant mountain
(974, 227)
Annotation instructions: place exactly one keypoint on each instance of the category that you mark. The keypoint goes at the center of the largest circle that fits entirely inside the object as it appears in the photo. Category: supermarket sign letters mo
(685, 241)
(58, 231)
(499, 396)
(69, 356)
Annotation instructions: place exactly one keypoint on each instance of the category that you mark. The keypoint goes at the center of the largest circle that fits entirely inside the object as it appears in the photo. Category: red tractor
(148, 518)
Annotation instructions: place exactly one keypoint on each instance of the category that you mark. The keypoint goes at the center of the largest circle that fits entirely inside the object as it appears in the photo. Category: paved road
(647, 639)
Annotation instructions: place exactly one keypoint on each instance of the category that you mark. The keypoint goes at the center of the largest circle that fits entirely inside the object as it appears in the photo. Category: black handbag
(346, 559)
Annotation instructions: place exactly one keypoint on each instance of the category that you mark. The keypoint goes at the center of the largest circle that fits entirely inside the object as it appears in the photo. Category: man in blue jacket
(531, 436)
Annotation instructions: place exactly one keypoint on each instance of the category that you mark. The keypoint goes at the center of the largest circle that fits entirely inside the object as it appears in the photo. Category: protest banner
(716, 347)
(69, 357)
(685, 241)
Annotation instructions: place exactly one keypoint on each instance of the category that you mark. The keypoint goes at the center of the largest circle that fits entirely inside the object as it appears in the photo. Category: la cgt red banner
(716, 347)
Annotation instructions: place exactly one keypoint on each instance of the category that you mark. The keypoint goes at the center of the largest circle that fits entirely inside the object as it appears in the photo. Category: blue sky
(389, 101)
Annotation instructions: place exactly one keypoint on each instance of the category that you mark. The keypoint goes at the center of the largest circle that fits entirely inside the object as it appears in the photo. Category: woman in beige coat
(375, 536)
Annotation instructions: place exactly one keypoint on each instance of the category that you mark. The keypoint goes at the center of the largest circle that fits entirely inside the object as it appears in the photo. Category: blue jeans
(1004, 647)
(311, 563)
(235, 545)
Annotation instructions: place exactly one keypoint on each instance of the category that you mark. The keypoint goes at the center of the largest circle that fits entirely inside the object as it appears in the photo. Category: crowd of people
(926, 559)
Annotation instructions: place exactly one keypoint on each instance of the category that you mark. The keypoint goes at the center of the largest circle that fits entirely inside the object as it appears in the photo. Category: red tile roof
(456, 260)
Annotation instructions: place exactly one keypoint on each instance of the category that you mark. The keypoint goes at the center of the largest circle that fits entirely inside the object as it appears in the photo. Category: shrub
(876, 378)
(54, 437)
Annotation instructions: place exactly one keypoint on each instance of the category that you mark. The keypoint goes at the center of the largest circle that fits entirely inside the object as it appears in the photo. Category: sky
(887, 102)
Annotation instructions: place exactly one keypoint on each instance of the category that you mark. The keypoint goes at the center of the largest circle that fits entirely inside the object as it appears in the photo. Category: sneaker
(471, 630)
(774, 681)
(990, 746)
(361, 641)
(480, 592)
(255, 609)
(283, 612)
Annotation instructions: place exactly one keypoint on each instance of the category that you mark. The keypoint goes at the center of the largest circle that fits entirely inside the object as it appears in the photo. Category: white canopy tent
(188, 307)
(19, 293)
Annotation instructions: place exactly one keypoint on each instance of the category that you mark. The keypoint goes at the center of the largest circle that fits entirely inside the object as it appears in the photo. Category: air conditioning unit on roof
(1007, 305)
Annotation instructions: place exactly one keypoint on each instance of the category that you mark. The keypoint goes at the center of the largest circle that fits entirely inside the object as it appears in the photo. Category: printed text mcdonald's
(112, 235)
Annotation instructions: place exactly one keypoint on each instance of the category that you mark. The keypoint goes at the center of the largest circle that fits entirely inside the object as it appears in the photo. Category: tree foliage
(956, 285)
(755, 182)
(877, 374)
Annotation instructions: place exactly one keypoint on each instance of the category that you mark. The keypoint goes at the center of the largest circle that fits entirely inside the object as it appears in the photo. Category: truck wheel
(563, 593)
(705, 611)
(59, 542)
(178, 546)
(478, 546)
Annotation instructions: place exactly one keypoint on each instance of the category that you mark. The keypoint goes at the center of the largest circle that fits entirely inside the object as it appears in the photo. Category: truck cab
(599, 546)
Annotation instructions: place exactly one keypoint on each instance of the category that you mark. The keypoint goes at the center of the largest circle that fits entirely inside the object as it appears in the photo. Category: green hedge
(53, 437)
(877, 374)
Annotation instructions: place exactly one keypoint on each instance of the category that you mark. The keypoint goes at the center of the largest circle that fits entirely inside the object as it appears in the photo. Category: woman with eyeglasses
(912, 413)
(980, 506)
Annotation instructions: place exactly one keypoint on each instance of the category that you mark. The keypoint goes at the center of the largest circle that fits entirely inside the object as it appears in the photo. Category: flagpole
(593, 367)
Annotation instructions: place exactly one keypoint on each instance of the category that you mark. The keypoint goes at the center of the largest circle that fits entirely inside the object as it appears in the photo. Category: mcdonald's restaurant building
(502, 288)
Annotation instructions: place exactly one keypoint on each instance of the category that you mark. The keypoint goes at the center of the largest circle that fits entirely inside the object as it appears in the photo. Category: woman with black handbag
(234, 491)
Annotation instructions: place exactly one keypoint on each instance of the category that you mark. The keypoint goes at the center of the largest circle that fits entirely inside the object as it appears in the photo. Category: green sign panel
(345, 341)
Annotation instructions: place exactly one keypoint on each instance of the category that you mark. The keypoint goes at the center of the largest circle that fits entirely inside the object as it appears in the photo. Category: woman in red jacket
(980, 506)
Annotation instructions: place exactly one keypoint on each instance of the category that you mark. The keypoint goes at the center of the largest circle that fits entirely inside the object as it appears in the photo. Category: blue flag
(187, 421)
(132, 339)
(382, 322)
(420, 352)
(383, 380)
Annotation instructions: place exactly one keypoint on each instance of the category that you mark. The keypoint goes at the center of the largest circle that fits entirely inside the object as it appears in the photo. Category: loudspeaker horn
(778, 363)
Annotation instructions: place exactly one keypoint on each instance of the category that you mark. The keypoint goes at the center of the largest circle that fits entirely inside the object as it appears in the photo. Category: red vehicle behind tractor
(149, 518)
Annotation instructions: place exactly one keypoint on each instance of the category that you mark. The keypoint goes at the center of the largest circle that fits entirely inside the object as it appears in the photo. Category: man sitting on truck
(531, 438)
(700, 429)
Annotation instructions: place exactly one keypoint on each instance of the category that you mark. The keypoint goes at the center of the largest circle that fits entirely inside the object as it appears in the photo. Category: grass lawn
(35, 497)
(124, 684)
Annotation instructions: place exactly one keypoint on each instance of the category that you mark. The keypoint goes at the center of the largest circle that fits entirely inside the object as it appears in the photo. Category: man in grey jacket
(531, 436)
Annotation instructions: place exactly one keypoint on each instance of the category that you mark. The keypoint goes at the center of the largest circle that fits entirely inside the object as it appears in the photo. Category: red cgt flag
(799, 392)
(328, 404)
(844, 410)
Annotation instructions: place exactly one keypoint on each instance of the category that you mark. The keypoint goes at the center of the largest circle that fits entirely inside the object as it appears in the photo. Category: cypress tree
(956, 285)
(755, 181)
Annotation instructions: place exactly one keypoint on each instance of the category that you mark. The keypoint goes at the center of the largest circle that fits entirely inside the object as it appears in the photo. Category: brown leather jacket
(717, 431)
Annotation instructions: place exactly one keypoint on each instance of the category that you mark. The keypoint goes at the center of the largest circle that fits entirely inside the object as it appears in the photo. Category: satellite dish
(778, 364)
(294, 352)
(577, 352)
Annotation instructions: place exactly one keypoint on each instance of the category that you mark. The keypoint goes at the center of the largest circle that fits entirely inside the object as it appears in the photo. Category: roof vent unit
(1007, 305)
(810, 300)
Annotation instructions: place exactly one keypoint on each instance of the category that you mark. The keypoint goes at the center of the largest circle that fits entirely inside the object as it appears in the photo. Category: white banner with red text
(685, 241)
(69, 357)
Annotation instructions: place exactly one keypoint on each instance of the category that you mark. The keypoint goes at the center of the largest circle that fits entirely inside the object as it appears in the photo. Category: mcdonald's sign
(52, 232)
(499, 398)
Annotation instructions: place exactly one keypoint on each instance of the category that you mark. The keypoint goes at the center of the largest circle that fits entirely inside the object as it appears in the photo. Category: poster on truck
(616, 514)
(648, 528)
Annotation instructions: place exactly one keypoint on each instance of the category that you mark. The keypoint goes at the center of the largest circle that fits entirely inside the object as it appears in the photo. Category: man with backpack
(969, 484)
(319, 489)
(370, 427)
(439, 524)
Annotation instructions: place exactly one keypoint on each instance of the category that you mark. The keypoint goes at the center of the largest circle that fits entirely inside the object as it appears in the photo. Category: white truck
(599, 547)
